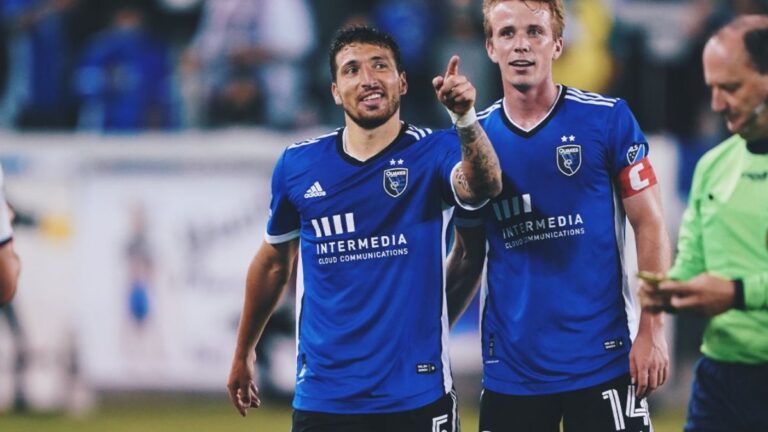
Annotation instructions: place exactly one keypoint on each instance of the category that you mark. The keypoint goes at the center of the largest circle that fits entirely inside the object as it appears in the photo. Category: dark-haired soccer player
(365, 208)
(558, 319)
(9, 261)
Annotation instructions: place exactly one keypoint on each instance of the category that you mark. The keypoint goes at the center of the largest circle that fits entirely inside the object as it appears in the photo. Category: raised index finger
(453, 66)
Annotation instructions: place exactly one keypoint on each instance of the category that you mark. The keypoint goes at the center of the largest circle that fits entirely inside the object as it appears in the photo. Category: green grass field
(153, 414)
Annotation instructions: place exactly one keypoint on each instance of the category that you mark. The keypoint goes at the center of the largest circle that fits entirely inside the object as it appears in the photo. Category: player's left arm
(641, 198)
(478, 178)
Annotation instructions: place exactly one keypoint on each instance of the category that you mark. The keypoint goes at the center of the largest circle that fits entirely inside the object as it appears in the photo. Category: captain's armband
(636, 178)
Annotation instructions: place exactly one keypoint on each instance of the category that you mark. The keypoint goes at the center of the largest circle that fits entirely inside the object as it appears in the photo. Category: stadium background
(138, 138)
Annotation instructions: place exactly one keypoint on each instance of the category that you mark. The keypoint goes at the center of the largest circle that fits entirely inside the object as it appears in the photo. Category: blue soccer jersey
(556, 310)
(371, 310)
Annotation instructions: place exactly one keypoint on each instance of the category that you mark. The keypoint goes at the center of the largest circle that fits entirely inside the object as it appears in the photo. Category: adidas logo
(315, 191)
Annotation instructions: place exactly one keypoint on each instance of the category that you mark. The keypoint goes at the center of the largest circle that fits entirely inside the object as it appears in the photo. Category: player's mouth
(372, 99)
(522, 63)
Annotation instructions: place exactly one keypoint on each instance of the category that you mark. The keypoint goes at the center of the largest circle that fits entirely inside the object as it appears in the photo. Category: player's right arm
(268, 274)
(464, 268)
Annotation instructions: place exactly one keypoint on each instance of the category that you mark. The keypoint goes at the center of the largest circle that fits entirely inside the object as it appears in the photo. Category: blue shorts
(728, 397)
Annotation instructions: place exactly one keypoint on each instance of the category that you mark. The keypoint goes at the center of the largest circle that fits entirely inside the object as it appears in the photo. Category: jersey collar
(527, 133)
(758, 147)
(357, 162)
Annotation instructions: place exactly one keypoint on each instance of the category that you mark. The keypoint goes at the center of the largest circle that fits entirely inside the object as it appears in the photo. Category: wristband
(738, 294)
(464, 120)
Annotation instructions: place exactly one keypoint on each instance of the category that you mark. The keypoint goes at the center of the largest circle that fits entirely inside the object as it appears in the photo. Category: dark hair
(756, 43)
(362, 35)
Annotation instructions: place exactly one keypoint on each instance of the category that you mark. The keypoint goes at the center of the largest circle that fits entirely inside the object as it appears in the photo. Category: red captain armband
(636, 178)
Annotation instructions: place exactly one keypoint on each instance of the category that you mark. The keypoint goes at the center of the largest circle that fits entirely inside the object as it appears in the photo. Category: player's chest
(383, 186)
(562, 157)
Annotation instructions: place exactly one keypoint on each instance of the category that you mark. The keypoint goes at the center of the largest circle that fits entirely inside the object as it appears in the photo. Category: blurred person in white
(245, 63)
(9, 261)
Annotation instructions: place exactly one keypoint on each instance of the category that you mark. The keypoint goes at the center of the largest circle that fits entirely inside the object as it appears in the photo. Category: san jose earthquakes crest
(395, 181)
(569, 159)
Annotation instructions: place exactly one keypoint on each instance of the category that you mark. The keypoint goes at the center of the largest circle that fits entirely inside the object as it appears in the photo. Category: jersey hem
(367, 406)
(542, 388)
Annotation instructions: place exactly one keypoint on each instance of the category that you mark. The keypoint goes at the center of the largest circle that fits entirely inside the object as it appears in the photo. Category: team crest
(635, 153)
(395, 181)
(569, 159)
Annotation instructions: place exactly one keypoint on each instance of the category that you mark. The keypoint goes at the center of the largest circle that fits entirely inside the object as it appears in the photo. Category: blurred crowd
(136, 65)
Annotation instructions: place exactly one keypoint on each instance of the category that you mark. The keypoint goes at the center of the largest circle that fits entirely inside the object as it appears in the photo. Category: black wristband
(738, 295)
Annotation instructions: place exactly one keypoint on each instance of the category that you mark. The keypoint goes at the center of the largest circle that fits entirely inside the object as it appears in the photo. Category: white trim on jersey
(6, 231)
(630, 305)
(589, 102)
(282, 238)
(446, 328)
(312, 140)
(299, 296)
(486, 112)
(590, 95)
(422, 132)
(589, 98)
(462, 204)
(543, 119)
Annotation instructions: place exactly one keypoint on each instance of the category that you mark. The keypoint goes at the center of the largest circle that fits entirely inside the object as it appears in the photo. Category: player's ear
(558, 48)
(403, 83)
(490, 50)
(335, 93)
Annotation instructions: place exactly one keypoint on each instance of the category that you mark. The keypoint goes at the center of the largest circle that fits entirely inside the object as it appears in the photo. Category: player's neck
(362, 144)
(527, 108)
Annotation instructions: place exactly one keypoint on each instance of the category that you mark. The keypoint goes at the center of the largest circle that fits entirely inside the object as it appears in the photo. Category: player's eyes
(535, 31)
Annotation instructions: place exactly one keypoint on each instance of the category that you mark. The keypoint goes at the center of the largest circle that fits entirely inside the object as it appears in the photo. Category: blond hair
(556, 8)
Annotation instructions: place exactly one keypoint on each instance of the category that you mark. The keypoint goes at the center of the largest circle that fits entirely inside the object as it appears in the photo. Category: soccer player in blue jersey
(9, 261)
(558, 321)
(364, 209)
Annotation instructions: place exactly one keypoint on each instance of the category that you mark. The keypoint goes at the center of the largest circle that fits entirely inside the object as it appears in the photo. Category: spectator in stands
(247, 60)
(38, 93)
(124, 78)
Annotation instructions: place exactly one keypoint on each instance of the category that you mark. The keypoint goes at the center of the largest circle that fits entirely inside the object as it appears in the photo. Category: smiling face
(368, 86)
(737, 87)
(522, 42)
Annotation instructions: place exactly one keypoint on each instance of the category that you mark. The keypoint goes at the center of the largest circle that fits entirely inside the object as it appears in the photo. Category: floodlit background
(138, 139)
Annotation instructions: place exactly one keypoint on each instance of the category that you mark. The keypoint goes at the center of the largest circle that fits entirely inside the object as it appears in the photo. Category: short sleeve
(284, 222)
(625, 139)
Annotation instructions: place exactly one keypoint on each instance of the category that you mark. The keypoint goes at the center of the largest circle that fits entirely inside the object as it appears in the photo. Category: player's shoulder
(487, 112)
(325, 138)
(722, 155)
(590, 100)
(428, 136)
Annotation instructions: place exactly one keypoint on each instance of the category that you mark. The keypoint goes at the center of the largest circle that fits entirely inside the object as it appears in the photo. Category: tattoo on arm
(480, 176)
(461, 182)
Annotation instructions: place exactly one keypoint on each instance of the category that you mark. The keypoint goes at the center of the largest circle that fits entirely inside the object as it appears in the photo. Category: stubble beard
(369, 123)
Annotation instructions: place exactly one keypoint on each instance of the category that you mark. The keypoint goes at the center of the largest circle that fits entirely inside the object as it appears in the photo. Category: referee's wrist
(738, 295)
